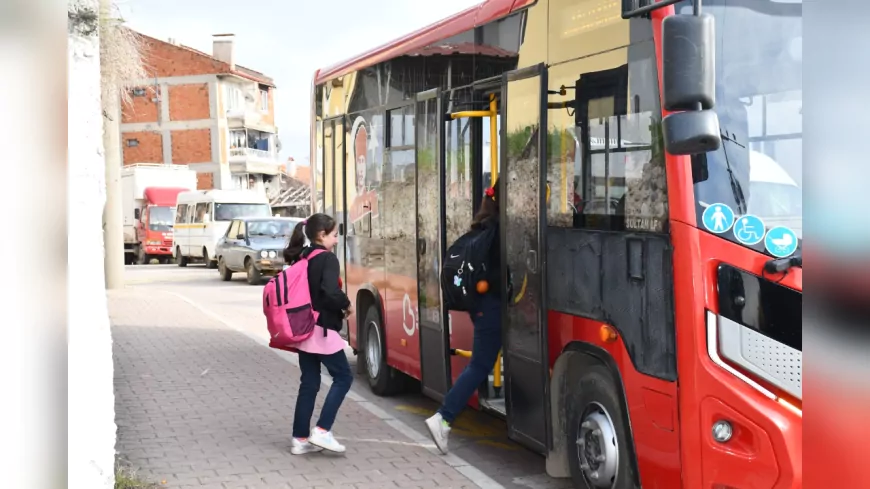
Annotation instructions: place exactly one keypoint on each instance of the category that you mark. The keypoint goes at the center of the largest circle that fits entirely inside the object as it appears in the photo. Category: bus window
(486, 181)
(606, 165)
(200, 212)
(457, 179)
(181, 214)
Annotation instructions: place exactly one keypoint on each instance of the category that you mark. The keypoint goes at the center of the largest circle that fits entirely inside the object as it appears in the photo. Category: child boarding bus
(202, 217)
(652, 333)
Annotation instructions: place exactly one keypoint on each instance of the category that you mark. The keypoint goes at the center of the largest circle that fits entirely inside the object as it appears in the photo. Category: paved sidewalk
(201, 405)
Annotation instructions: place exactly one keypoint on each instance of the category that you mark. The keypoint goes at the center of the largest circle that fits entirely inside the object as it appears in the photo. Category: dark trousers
(337, 366)
(487, 343)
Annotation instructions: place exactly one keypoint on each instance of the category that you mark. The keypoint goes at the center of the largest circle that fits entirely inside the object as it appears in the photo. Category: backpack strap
(314, 253)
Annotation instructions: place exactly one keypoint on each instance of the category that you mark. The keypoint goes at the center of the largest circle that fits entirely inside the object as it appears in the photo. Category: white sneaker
(299, 447)
(325, 440)
(439, 429)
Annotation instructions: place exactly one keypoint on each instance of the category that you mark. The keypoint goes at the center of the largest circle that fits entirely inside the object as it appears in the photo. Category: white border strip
(471, 472)
(713, 351)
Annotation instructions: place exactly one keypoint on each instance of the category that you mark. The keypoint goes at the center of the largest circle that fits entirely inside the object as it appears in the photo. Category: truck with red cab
(149, 193)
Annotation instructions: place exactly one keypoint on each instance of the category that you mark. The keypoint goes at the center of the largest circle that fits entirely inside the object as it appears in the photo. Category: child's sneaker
(301, 447)
(324, 439)
(439, 429)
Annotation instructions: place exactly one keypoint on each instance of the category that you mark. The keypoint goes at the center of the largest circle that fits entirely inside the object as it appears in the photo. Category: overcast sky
(287, 40)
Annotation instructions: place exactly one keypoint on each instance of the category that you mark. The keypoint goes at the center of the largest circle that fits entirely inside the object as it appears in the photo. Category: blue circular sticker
(781, 242)
(718, 218)
(749, 230)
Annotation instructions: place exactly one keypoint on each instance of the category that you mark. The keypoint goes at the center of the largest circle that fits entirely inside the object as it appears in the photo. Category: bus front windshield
(757, 170)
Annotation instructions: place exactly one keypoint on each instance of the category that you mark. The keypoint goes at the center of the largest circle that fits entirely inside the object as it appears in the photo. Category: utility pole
(113, 221)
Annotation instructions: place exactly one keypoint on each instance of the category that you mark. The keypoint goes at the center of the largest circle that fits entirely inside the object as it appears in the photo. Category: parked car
(254, 245)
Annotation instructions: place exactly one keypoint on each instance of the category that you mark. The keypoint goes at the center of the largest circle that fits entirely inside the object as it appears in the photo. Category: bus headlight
(273, 254)
(264, 254)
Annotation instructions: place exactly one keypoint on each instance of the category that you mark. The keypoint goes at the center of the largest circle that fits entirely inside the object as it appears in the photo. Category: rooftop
(239, 70)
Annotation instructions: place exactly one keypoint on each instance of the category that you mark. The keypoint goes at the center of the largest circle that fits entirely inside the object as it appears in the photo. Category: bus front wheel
(598, 453)
(180, 259)
(383, 379)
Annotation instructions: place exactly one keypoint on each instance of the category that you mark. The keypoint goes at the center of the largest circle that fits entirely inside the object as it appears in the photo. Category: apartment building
(207, 112)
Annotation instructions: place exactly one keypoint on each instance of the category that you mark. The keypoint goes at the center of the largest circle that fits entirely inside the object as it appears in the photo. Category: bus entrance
(514, 138)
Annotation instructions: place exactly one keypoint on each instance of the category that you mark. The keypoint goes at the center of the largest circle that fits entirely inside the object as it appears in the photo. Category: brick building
(204, 111)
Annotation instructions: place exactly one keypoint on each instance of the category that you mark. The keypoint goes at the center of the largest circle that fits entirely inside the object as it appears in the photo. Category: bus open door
(523, 257)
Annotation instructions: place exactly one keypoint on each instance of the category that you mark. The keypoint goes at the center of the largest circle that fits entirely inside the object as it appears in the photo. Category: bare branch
(120, 54)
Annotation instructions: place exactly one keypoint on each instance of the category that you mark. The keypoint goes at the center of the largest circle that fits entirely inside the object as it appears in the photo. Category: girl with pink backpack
(323, 346)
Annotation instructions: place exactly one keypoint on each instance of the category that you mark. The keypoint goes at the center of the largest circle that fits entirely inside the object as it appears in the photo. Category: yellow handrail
(492, 113)
(470, 113)
(493, 139)
(496, 377)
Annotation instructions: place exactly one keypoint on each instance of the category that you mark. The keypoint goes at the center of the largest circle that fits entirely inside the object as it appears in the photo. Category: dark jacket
(493, 275)
(327, 298)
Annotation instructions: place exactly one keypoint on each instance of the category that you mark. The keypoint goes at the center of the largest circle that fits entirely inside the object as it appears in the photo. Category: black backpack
(465, 263)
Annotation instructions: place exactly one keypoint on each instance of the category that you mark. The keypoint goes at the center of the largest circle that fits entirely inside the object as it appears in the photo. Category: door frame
(540, 71)
(426, 96)
(338, 164)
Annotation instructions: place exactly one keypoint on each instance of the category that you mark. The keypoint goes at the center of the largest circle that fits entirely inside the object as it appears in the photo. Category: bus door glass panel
(434, 340)
(399, 196)
(458, 205)
(180, 230)
(329, 167)
(317, 174)
(338, 204)
(198, 232)
(525, 353)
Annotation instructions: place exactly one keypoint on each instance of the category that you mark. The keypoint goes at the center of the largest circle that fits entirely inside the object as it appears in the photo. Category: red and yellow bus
(651, 223)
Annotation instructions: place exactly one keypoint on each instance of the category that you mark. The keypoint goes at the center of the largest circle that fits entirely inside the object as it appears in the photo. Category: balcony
(239, 118)
(250, 160)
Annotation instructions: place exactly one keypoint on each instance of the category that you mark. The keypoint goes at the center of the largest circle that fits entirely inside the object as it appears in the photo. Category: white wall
(91, 409)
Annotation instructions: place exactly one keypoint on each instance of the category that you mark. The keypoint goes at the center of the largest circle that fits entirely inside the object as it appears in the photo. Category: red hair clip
(490, 192)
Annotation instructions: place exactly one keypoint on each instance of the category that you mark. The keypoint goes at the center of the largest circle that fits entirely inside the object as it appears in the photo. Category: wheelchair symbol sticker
(749, 230)
(781, 242)
(718, 218)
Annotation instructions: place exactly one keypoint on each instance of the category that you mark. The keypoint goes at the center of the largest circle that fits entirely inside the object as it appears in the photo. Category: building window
(233, 97)
(238, 139)
(132, 143)
(264, 100)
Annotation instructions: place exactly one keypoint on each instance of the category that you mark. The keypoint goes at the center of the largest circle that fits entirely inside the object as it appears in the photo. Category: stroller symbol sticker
(718, 218)
(749, 230)
(781, 242)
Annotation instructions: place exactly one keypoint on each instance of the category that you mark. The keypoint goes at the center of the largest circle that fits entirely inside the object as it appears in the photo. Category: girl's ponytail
(293, 251)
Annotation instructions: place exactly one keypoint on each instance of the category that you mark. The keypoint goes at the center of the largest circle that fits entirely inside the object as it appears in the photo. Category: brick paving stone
(200, 405)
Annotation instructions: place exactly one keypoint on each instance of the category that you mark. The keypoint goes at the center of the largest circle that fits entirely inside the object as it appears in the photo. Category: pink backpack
(287, 306)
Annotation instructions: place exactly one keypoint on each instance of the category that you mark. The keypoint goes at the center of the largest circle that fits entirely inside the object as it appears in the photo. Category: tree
(120, 69)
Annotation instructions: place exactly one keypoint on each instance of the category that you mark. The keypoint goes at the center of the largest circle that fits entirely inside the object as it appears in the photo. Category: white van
(774, 196)
(203, 216)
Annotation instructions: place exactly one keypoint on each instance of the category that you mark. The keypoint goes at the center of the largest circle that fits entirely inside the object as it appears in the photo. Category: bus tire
(180, 259)
(383, 379)
(598, 455)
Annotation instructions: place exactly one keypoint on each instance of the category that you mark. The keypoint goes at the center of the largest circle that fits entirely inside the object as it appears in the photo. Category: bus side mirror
(689, 84)
(137, 214)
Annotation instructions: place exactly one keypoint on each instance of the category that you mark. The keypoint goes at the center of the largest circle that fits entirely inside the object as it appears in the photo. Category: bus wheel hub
(597, 447)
